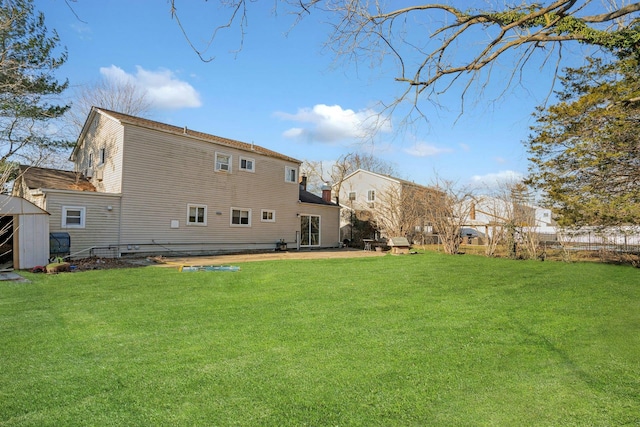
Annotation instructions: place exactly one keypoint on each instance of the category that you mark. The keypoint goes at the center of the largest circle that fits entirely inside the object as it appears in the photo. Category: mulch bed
(87, 264)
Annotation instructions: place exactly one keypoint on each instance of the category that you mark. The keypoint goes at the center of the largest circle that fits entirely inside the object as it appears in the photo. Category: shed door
(309, 230)
(6, 242)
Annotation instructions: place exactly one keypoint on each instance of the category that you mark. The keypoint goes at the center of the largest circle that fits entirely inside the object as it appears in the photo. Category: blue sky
(284, 91)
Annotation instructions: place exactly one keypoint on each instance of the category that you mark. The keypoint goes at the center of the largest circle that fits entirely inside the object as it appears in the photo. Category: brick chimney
(326, 193)
(303, 182)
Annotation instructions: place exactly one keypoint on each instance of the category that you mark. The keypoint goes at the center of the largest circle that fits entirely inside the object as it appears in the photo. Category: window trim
(249, 214)
(355, 195)
(102, 156)
(287, 173)
(369, 194)
(83, 216)
(273, 215)
(90, 161)
(196, 223)
(247, 159)
(229, 162)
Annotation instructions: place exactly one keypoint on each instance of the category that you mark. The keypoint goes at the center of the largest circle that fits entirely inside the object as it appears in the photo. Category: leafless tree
(117, 95)
(402, 210)
(425, 40)
(448, 211)
(510, 219)
(493, 211)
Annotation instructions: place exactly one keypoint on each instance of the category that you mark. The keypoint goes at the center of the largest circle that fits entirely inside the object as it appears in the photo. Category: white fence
(614, 239)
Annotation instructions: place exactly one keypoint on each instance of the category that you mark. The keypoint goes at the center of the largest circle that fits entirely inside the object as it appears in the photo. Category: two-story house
(395, 207)
(141, 186)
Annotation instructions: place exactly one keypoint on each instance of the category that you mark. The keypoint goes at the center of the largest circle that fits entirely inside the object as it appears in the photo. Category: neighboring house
(395, 206)
(489, 212)
(144, 187)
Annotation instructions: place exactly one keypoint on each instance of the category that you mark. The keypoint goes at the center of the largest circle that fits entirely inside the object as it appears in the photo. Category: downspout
(120, 226)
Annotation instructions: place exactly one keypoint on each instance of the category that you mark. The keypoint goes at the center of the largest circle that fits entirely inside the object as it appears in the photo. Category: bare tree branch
(435, 45)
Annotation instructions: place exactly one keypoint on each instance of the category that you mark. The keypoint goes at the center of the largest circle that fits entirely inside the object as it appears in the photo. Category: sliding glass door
(309, 230)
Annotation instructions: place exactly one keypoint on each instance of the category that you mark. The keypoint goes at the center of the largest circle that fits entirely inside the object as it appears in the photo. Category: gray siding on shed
(32, 233)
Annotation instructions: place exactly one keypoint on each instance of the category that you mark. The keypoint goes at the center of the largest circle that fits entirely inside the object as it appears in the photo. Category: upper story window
(371, 196)
(268, 215)
(102, 156)
(196, 214)
(352, 195)
(223, 162)
(73, 216)
(240, 217)
(247, 164)
(291, 174)
(90, 163)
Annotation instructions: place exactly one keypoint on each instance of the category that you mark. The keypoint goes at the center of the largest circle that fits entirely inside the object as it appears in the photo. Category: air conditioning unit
(99, 174)
(88, 172)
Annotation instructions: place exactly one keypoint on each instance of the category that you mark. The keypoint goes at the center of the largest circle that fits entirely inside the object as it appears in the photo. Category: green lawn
(418, 340)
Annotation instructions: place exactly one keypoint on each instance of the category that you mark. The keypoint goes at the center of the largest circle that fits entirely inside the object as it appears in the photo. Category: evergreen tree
(29, 58)
(585, 151)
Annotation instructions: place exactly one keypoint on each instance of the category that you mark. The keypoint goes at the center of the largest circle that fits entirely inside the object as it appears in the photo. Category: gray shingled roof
(306, 197)
(54, 179)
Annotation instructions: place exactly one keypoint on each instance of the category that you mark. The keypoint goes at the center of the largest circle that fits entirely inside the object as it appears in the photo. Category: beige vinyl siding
(329, 223)
(101, 224)
(106, 133)
(361, 183)
(163, 173)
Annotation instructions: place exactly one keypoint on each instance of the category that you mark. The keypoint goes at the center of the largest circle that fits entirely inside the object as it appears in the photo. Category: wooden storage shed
(399, 245)
(24, 234)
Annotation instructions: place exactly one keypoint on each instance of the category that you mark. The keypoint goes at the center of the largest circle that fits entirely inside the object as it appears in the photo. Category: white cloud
(492, 180)
(332, 123)
(423, 149)
(162, 88)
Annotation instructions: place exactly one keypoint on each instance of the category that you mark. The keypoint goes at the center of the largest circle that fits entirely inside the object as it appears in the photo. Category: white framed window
(290, 174)
(223, 162)
(102, 156)
(352, 195)
(267, 215)
(196, 214)
(90, 165)
(371, 196)
(240, 217)
(247, 164)
(73, 216)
